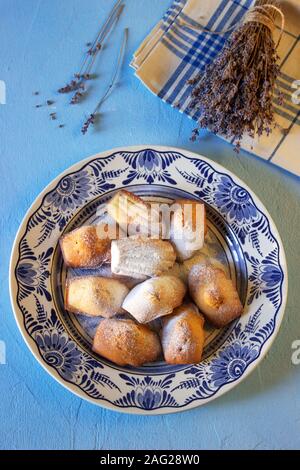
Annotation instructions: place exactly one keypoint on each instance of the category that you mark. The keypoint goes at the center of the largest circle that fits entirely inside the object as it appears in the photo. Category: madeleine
(95, 296)
(214, 294)
(124, 342)
(183, 336)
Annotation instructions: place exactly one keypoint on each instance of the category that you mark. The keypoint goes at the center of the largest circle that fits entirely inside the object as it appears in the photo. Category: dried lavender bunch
(78, 83)
(234, 97)
(92, 117)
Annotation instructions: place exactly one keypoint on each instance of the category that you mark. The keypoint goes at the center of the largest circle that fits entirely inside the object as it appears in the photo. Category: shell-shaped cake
(95, 296)
(214, 294)
(141, 257)
(154, 298)
(125, 342)
(84, 248)
(182, 335)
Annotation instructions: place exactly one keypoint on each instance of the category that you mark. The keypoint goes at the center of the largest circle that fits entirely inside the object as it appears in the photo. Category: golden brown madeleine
(154, 298)
(214, 294)
(125, 342)
(95, 296)
(83, 248)
(126, 208)
(188, 227)
(134, 215)
(140, 257)
(182, 335)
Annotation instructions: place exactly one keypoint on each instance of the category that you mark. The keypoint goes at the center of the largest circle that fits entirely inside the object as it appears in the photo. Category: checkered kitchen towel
(178, 48)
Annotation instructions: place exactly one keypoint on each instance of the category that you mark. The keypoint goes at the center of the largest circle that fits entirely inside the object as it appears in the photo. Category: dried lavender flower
(90, 121)
(84, 73)
(76, 98)
(234, 96)
(92, 116)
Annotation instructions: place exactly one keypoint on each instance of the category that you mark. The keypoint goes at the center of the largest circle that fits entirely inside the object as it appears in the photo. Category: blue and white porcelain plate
(243, 235)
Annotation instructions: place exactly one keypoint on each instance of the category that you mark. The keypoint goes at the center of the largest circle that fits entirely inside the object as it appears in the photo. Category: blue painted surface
(41, 44)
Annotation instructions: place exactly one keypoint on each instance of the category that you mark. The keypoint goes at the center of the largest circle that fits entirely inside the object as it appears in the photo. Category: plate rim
(32, 345)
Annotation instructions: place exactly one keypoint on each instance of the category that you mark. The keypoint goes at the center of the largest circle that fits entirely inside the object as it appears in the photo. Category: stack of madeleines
(160, 315)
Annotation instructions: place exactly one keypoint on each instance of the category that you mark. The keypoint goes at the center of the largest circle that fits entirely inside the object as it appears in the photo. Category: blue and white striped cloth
(177, 49)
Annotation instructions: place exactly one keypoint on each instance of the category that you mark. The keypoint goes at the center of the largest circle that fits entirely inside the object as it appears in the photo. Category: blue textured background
(40, 46)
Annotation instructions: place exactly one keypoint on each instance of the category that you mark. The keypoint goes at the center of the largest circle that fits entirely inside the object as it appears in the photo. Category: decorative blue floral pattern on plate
(148, 166)
(234, 201)
(130, 389)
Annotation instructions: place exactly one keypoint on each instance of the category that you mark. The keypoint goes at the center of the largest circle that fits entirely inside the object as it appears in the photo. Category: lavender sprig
(91, 119)
(96, 45)
(77, 84)
(94, 53)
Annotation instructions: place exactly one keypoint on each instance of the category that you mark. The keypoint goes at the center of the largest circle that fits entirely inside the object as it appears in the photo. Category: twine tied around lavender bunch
(234, 95)
(261, 14)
